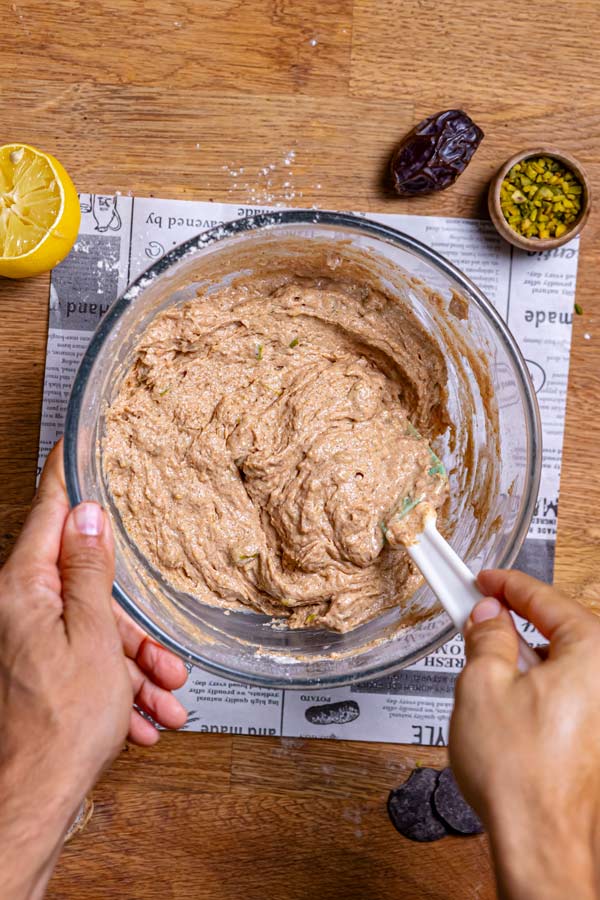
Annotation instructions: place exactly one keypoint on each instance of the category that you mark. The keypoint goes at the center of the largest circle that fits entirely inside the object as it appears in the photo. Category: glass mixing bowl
(493, 457)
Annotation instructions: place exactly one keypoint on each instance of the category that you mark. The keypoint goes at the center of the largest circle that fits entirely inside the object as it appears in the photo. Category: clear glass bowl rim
(270, 221)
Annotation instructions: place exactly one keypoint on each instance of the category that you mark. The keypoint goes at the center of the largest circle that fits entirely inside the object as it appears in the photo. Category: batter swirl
(263, 436)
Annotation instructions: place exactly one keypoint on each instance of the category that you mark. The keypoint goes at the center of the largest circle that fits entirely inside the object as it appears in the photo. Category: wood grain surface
(169, 99)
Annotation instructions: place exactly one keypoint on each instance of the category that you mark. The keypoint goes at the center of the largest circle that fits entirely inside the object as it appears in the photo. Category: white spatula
(453, 583)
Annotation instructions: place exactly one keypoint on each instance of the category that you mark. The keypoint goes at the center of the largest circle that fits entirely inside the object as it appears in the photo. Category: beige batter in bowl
(491, 448)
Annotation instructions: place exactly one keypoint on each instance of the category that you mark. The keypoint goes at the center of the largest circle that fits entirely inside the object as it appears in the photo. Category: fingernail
(89, 519)
(486, 609)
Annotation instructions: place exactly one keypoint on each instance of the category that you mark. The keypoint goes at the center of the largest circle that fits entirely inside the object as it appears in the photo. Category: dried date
(435, 153)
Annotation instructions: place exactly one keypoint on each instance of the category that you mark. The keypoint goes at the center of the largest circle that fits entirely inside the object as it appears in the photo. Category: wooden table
(168, 98)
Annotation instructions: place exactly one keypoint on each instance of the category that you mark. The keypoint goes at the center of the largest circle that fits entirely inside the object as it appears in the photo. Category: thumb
(564, 622)
(87, 567)
(491, 634)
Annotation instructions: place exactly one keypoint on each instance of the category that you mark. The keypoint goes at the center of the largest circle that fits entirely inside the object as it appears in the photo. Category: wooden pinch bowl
(537, 244)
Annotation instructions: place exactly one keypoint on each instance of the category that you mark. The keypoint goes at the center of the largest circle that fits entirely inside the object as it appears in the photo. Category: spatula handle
(454, 584)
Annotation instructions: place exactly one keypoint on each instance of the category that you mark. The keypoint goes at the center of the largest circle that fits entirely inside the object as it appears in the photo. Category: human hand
(154, 673)
(525, 748)
(66, 687)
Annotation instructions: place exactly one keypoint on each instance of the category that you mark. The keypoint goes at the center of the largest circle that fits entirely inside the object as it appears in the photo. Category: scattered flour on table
(271, 184)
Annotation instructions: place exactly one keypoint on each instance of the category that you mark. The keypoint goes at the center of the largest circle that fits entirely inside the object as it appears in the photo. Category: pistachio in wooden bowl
(539, 199)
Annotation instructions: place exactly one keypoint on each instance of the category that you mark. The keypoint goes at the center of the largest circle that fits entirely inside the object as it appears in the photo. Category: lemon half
(39, 211)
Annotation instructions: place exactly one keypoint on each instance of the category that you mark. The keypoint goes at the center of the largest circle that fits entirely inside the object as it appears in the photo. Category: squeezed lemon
(39, 211)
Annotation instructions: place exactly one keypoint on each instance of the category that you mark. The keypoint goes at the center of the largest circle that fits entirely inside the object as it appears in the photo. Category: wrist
(538, 855)
(34, 817)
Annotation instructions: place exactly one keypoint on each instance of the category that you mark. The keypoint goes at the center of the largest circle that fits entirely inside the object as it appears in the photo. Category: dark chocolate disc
(410, 807)
(452, 807)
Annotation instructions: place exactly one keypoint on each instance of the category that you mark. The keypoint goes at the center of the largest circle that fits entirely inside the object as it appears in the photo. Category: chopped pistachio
(438, 467)
(259, 351)
(408, 504)
(541, 198)
(578, 309)
(294, 343)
